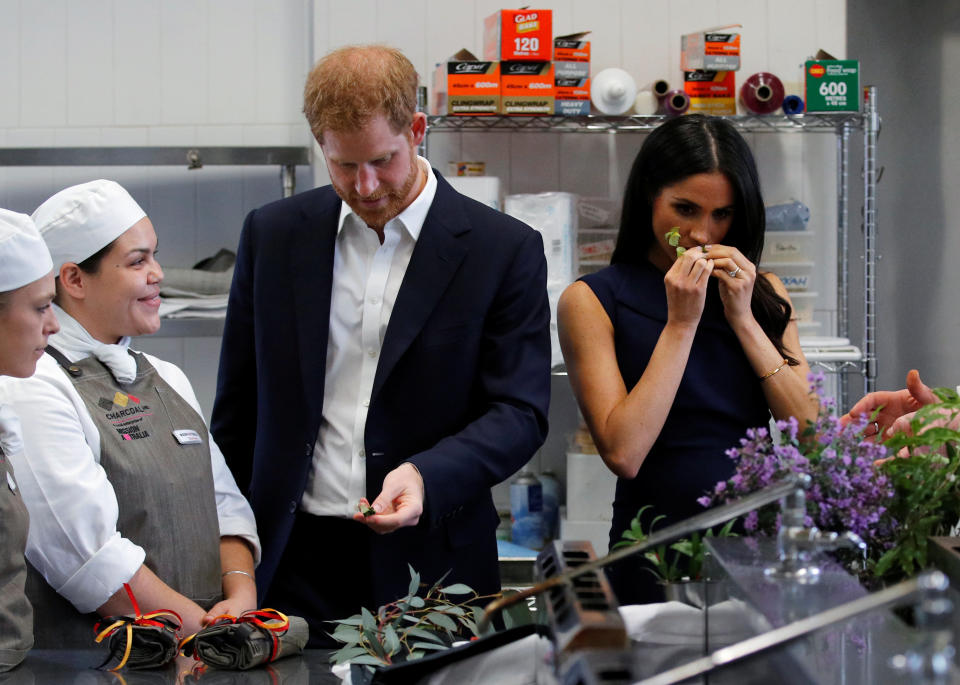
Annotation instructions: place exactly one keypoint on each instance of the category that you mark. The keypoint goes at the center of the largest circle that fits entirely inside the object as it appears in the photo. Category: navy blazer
(461, 389)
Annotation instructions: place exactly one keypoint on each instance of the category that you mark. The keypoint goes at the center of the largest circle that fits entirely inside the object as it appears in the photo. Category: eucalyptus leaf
(457, 589)
(373, 639)
(414, 581)
(436, 585)
(415, 654)
(417, 602)
(390, 640)
(471, 626)
(368, 621)
(346, 634)
(368, 660)
(346, 654)
(429, 645)
(442, 620)
(424, 634)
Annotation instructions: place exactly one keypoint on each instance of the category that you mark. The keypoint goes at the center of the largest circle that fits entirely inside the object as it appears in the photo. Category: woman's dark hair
(699, 144)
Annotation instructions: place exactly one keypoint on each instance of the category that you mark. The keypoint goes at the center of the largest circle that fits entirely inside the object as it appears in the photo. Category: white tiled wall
(139, 73)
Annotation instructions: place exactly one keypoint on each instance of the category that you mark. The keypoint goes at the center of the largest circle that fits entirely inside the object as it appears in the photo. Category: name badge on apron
(11, 483)
(187, 437)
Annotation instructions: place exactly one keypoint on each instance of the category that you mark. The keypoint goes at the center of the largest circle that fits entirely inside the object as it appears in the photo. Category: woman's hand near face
(736, 275)
(686, 284)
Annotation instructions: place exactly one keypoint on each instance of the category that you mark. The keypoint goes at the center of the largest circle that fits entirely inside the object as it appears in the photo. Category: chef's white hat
(80, 220)
(23, 255)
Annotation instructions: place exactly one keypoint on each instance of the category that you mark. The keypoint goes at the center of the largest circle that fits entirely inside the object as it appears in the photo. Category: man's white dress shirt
(366, 280)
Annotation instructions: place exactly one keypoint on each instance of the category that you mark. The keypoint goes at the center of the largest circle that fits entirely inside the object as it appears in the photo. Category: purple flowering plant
(892, 504)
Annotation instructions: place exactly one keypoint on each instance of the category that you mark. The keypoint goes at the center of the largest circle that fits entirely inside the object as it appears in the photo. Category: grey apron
(16, 616)
(164, 488)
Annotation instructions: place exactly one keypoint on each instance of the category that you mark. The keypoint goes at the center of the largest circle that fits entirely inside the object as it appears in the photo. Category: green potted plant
(679, 565)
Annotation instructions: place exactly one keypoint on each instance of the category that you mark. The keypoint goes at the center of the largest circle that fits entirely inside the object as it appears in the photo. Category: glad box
(466, 85)
(526, 88)
(525, 34)
(711, 92)
(713, 49)
(832, 85)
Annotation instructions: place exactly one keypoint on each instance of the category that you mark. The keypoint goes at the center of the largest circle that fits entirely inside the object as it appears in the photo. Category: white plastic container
(794, 275)
(803, 303)
(787, 246)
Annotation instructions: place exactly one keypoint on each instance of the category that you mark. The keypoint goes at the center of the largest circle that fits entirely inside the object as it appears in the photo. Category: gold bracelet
(771, 373)
(243, 573)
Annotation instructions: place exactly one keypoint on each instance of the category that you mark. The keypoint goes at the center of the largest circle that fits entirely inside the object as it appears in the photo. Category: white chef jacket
(55, 449)
(366, 280)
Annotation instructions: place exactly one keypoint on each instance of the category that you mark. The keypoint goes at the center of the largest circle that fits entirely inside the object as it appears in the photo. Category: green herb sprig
(673, 239)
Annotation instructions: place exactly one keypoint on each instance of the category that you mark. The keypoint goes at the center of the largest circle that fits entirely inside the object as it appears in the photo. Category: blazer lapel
(312, 270)
(435, 260)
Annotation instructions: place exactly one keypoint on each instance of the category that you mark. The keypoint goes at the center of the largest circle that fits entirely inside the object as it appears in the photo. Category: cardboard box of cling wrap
(526, 88)
(572, 96)
(832, 85)
(571, 56)
(465, 85)
(711, 92)
(712, 49)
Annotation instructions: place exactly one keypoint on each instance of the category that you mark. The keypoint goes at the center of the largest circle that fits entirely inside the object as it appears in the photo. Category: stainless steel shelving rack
(286, 157)
(842, 125)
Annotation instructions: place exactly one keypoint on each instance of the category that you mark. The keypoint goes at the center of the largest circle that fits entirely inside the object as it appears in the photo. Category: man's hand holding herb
(399, 504)
(891, 405)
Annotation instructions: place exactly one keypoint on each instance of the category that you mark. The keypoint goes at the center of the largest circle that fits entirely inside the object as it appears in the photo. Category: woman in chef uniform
(26, 319)
(122, 481)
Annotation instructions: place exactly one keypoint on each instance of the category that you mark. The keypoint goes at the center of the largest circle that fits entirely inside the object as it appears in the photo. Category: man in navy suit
(386, 344)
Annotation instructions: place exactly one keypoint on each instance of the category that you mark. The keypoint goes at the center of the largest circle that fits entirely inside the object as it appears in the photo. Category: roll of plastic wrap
(613, 91)
(762, 93)
(675, 102)
(793, 104)
(647, 102)
(660, 88)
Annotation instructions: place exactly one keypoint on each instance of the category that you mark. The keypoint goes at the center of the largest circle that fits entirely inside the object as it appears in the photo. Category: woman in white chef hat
(26, 319)
(122, 481)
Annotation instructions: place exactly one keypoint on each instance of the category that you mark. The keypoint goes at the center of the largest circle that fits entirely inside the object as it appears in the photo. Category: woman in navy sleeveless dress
(672, 357)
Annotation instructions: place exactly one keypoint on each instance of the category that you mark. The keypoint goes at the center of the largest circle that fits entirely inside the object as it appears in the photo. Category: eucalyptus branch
(409, 627)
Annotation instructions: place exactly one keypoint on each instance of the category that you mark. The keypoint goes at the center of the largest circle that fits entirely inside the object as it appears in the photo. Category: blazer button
(293, 507)
(309, 451)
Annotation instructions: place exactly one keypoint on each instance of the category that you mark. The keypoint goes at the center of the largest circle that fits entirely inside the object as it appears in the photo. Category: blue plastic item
(526, 511)
(789, 216)
(793, 104)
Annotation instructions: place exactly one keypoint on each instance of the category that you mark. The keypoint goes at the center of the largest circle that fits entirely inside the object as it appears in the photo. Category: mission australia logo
(127, 414)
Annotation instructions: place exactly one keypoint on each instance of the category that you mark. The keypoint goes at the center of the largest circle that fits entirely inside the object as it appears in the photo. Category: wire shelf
(754, 123)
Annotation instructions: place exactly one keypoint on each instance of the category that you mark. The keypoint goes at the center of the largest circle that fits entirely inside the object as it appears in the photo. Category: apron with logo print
(16, 616)
(164, 489)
